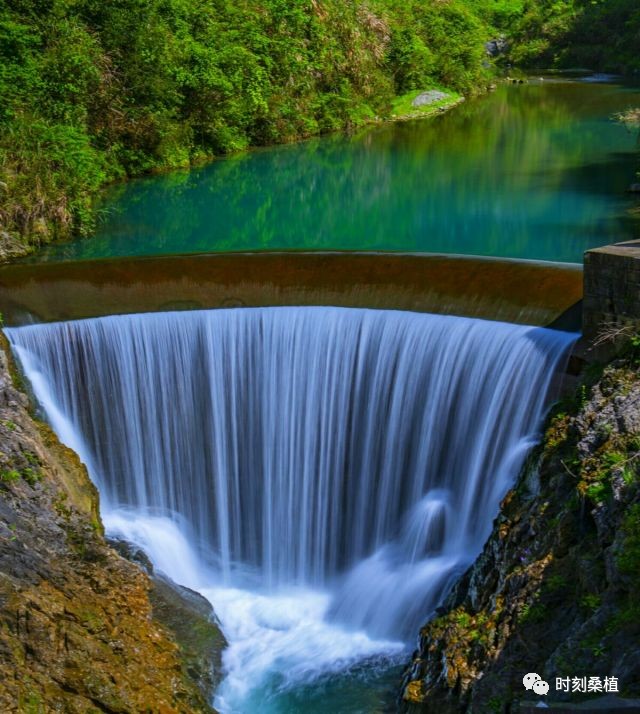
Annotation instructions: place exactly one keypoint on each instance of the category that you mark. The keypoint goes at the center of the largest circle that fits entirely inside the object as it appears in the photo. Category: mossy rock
(192, 622)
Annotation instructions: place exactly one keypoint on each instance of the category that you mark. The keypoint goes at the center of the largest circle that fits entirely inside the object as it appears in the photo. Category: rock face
(11, 247)
(556, 589)
(79, 630)
(497, 47)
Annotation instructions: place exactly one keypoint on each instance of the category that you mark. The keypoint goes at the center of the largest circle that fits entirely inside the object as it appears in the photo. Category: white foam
(322, 475)
(282, 636)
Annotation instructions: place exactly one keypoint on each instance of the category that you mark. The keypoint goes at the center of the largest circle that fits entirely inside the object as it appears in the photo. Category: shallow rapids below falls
(321, 475)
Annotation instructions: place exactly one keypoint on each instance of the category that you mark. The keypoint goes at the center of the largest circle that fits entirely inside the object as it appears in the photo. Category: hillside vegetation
(602, 35)
(93, 92)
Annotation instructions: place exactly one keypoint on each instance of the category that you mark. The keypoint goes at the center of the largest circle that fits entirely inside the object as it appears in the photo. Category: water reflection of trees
(532, 171)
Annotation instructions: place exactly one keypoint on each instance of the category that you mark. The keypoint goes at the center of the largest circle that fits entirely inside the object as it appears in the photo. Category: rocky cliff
(556, 588)
(81, 628)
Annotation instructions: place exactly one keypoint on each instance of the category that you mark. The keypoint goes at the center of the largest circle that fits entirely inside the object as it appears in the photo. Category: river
(538, 171)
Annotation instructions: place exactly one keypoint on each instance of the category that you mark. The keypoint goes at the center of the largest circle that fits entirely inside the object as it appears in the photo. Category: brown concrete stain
(516, 291)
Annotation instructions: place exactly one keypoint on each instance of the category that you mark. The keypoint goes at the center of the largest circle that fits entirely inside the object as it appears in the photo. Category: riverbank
(444, 185)
(406, 107)
(92, 95)
(422, 104)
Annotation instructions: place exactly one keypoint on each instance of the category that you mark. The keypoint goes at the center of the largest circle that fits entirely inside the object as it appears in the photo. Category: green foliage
(502, 14)
(628, 558)
(49, 172)
(29, 474)
(556, 583)
(532, 613)
(496, 705)
(590, 602)
(463, 619)
(632, 351)
(9, 476)
(31, 458)
(597, 34)
(412, 61)
(92, 91)
(598, 491)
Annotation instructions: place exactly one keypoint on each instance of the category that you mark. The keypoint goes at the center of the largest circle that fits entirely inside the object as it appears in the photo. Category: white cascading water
(322, 475)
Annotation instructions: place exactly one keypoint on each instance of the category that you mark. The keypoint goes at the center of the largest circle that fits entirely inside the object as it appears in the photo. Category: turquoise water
(536, 171)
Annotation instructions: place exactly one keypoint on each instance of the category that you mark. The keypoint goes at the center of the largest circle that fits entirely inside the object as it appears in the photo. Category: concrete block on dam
(611, 307)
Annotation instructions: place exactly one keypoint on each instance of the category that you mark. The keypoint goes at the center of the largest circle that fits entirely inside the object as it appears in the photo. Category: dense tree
(93, 91)
(596, 34)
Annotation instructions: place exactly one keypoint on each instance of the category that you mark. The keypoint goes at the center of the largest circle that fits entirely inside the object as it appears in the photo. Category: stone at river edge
(430, 97)
(78, 630)
(556, 589)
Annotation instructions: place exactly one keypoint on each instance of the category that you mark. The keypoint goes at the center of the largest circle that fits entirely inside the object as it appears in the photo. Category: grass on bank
(402, 106)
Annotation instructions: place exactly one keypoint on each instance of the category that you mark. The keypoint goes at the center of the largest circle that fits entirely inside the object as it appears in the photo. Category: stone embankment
(611, 304)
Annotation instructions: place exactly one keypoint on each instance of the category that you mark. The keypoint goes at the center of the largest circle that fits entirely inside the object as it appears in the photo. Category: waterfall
(359, 453)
